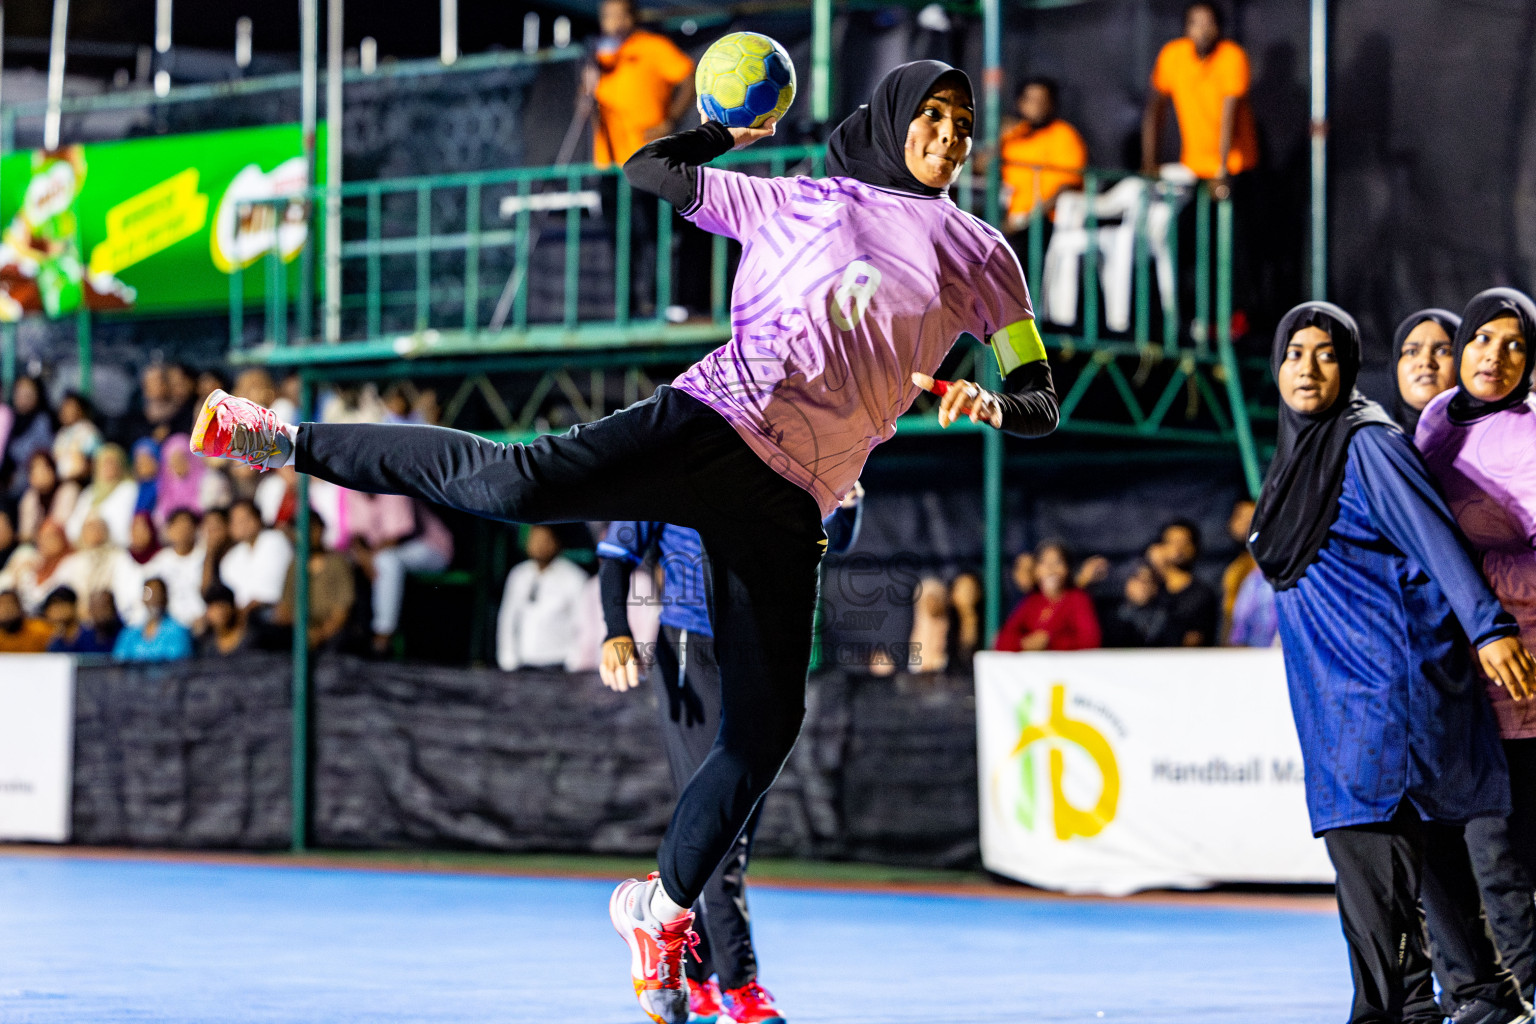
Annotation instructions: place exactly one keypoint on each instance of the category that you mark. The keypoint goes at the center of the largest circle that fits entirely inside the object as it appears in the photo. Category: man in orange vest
(643, 86)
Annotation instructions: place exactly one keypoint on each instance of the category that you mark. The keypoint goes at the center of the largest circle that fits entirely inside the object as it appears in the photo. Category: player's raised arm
(669, 167)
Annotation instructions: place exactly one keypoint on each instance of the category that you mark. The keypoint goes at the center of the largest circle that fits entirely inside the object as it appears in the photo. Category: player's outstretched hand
(962, 398)
(1508, 663)
(620, 667)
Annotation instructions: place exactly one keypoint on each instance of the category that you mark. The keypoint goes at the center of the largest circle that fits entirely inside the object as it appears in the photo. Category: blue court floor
(178, 943)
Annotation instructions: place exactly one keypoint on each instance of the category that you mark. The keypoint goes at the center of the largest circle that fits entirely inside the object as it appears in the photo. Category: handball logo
(1074, 812)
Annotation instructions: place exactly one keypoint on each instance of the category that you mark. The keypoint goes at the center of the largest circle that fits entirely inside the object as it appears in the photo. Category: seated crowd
(115, 540)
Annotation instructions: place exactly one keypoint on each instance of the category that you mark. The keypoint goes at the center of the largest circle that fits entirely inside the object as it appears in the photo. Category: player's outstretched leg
(640, 462)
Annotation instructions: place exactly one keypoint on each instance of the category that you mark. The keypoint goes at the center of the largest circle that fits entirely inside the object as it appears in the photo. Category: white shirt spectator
(183, 576)
(108, 568)
(537, 624)
(115, 509)
(257, 570)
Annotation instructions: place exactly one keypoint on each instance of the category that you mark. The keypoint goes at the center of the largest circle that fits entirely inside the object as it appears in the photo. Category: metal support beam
(449, 41)
(992, 440)
(309, 103)
(56, 73)
(333, 114)
(1319, 220)
(821, 61)
(299, 762)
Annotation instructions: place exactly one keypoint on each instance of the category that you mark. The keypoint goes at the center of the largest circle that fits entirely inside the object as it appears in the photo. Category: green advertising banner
(151, 225)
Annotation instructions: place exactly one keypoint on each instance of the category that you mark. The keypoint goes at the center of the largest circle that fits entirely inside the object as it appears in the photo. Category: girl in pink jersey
(849, 289)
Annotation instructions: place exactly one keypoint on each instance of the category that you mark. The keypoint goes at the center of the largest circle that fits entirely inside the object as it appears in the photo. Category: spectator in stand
(1042, 154)
(181, 386)
(226, 634)
(103, 619)
(143, 539)
(163, 414)
(1057, 616)
(404, 536)
(146, 473)
(1239, 525)
(256, 567)
(33, 571)
(208, 381)
(111, 495)
(928, 647)
(9, 541)
(19, 633)
(77, 439)
(642, 86)
(1141, 618)
(31, 431)
(47, 497)
(99, 564)
(68, 634)
(1426, 363)
(216, 543)
(536, 626)
(1205, 78)
(277, 497)
(160, 638)
(1194, 610)
(330, 591)
(180, 483)
(964, 621)
(286, 401)
(181, 566)
(256, 384)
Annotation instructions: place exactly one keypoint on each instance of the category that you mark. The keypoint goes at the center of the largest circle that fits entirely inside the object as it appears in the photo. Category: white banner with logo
(1114, 771)
(37, 719)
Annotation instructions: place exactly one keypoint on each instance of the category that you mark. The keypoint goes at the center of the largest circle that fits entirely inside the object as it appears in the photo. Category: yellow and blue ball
(743, 79)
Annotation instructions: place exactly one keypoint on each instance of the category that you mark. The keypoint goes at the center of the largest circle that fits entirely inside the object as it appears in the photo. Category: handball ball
(744, 79)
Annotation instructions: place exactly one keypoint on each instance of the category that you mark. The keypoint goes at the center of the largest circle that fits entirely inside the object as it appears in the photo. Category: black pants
(1378, 870)
(669, 459)
(687, 682)
(1462, 949)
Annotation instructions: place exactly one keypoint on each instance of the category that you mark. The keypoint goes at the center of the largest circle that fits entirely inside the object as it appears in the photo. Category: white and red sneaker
(656, 950)
(239, 429)
(750, 1004)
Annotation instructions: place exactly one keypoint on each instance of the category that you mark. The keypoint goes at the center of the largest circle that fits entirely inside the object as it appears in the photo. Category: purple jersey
(844, 289)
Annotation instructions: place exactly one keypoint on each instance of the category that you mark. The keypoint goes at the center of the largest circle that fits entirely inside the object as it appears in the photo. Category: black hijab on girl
(871, 143)
(1485, 306)
(1300, 498)
(1406, 415)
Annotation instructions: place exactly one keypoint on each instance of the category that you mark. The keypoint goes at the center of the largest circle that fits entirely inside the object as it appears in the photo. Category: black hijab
(871, 143)
(1300, 499)
(1406, 415)
(1485, 306)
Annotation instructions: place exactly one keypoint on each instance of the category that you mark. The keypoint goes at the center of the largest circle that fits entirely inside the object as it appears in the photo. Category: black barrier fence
(407, 756)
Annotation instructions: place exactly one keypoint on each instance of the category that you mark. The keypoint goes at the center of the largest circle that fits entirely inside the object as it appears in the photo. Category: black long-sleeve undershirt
(669, 168)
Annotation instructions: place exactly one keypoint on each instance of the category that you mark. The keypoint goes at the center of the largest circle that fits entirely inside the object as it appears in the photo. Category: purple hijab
(178, 491)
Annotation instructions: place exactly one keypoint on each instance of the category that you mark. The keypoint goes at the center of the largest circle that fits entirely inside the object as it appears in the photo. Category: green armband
(1017, 344)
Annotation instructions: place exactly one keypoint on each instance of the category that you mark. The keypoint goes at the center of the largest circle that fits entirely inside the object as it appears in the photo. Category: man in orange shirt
(642, 85)
(1042, 154)
(19, 634)
(1205, 77)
